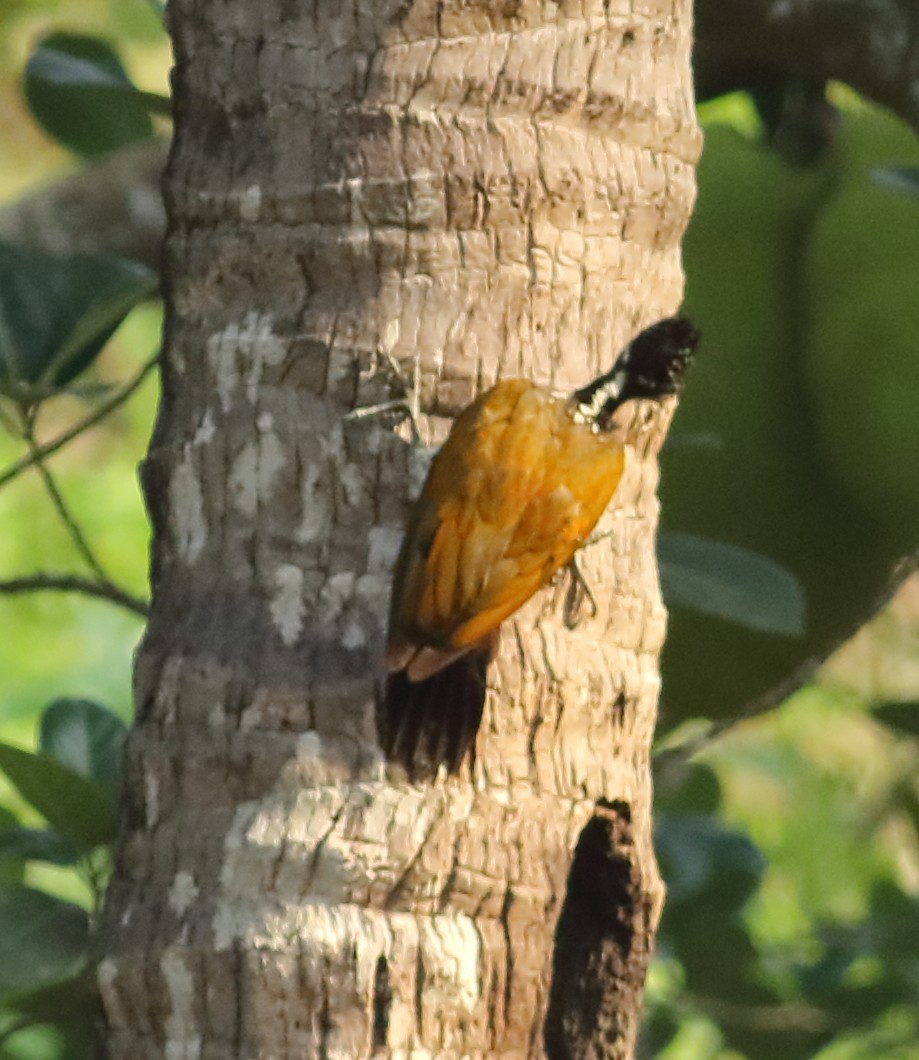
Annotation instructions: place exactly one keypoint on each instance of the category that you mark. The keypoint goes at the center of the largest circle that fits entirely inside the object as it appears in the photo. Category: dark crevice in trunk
(602, 944)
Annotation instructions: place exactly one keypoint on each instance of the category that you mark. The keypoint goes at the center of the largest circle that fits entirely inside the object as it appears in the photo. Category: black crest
(653, 365)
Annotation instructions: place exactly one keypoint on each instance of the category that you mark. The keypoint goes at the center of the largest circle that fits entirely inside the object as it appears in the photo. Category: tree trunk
(467, 189)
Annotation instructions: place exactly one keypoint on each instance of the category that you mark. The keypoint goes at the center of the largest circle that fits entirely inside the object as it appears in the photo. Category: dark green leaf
(12, 864)
(76, 807)
(657, 1031)
(43, 940)
(73, 1001)
(894, 922)
(57, 313)
(788, 1036)
(905, 800)
(828, 984)
(685, 786)
(825, 980)
(36, 844)
(731, 582)
(87, 739)
(899, 178)
(717, 954)
(702, 860)
(902, 716)
(81, 95)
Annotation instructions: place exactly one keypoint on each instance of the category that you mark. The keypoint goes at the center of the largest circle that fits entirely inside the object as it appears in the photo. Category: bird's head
(653, 365)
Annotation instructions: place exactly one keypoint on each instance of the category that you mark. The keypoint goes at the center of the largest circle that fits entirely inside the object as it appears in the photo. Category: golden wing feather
(515, 490)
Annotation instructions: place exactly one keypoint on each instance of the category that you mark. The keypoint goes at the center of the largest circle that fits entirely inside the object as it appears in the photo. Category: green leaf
(685, 786)
(905, 800)
(73, 1003)
(87, 739)
(137, 20)
(658, 1029)
(702, 861)
(57, 313)
(81, 95)
(730, 582)
(894, 923)
(901, 716)
(43, 940)
(12, 864)
(899, 178)
(37, 844)
(76, 807)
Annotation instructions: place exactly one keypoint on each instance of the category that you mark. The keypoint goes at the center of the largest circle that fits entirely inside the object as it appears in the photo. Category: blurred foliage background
(789, 842)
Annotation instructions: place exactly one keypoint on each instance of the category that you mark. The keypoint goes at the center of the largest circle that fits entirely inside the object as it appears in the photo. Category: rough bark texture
(468, 189)
(872, 45)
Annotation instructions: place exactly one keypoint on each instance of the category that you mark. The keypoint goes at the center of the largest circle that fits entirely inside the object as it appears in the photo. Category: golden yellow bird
(514, 491)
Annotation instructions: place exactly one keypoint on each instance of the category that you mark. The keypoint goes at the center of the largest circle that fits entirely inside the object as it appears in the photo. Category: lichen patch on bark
(187, 512)
(183, 1036)
(287, 606)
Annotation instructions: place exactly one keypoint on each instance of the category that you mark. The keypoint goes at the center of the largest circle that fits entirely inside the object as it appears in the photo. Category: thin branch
(40, 452)
(874, 47)
(110, 206)
(102, 587)
(781, 1016)
(73, 583)
(95, 875)
(57, 499)
(780, 692)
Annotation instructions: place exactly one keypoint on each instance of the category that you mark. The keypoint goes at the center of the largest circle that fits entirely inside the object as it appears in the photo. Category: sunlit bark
(467, 190)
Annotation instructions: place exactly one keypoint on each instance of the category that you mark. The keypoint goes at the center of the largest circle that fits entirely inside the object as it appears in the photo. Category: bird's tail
(433, 722)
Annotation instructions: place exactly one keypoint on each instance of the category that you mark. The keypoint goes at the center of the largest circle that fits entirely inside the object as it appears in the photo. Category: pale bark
(472, 189)
(872, 45)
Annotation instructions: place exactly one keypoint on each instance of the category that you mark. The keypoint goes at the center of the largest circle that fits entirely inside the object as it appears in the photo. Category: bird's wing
(515, 490)
(552, 525)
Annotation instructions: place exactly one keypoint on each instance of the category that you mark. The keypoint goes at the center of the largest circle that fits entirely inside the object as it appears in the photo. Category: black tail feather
(424, 725)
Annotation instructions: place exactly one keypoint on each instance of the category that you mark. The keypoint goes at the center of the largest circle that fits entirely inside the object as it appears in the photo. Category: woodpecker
(514, 491)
